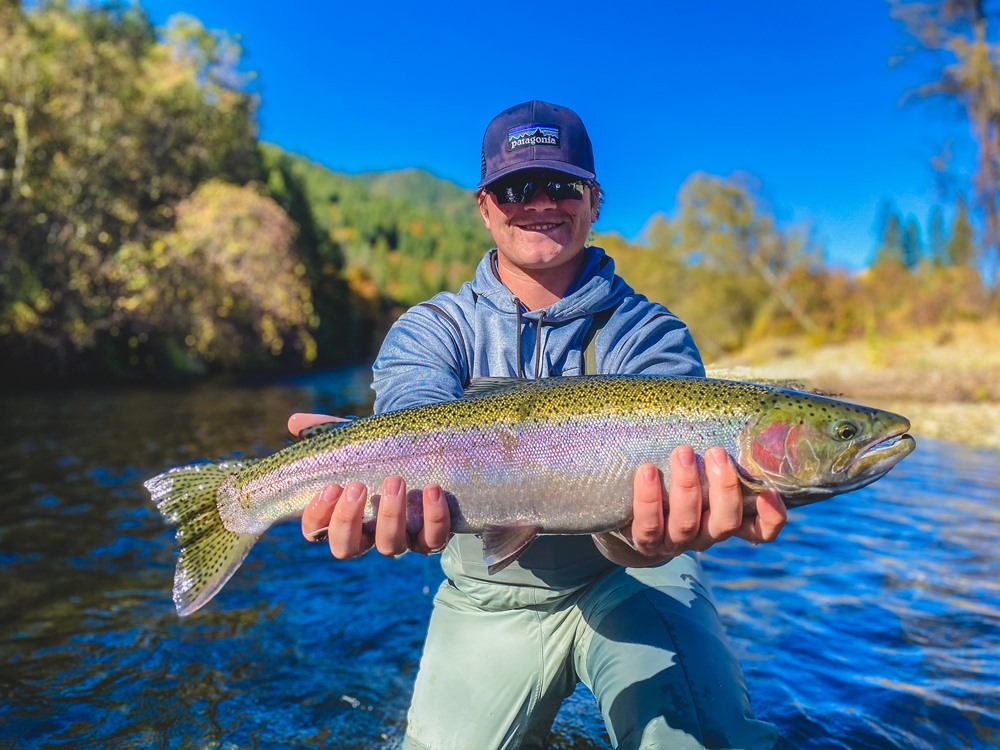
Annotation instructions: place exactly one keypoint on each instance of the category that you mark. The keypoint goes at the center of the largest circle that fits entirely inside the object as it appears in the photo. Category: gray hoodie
(434, 350)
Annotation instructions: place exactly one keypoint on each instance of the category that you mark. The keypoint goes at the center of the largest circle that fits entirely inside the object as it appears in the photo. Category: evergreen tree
(938, 240)
(890, 248)
(961, 248)
(911, 245)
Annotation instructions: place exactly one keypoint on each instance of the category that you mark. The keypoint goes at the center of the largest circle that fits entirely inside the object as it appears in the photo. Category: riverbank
(947, 382)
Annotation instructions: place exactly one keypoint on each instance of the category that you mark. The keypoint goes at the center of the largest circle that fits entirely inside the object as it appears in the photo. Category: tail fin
(208, 553)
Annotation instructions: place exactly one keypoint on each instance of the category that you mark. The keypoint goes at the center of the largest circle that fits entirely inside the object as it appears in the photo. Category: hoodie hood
(595, 289)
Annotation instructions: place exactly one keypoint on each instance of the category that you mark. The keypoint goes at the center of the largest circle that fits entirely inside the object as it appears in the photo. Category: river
(874, 621)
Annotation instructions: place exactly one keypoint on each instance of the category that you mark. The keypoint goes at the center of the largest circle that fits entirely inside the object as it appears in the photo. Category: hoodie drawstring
(538, 347)
(520, 364)
(538, 342)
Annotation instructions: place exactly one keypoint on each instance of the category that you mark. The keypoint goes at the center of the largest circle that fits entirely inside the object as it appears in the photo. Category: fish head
(810, 447)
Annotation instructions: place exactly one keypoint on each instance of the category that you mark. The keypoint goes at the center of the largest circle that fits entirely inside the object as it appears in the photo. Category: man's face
(540, 232)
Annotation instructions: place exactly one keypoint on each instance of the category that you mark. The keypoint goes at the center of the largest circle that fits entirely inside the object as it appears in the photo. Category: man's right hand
(335, 513)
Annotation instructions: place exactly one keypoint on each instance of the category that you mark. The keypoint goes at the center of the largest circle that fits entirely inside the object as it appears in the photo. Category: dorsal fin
(487, 386)
(744, 375)
(320, 429)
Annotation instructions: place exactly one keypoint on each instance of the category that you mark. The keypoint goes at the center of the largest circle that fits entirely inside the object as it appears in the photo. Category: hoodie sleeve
(421, 361)
(645, 338)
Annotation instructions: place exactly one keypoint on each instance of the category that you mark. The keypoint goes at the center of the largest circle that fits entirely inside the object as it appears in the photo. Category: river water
(874, 622)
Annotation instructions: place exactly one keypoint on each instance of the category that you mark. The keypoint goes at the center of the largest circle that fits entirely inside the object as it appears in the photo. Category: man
(633, 622)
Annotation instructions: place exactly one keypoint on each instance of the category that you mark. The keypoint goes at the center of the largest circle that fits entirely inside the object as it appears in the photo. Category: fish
(519, 458)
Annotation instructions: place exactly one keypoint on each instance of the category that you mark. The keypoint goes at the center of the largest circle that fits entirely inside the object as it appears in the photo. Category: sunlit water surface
(873, 623)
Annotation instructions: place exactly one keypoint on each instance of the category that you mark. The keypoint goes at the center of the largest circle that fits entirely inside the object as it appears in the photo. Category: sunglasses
(522, 186)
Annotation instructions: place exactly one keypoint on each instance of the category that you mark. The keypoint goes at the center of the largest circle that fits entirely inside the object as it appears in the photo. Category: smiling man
(632, 620)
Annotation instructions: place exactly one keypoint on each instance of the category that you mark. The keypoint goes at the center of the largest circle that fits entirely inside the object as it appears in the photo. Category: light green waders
(499, 659)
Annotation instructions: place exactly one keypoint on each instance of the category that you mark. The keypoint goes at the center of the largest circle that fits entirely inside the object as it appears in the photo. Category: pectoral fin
(752, 484)
(502, 545)
(619, 550)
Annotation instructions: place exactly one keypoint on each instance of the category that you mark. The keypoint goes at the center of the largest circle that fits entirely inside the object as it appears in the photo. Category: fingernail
(392, 486)
(650, 473)
(718, 458)
(354, 493)
(685, 455)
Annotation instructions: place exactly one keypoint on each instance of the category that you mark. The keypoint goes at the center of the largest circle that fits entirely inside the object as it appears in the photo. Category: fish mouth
(876, 458)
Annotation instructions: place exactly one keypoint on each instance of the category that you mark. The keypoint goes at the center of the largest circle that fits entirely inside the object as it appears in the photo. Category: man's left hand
(664, 527)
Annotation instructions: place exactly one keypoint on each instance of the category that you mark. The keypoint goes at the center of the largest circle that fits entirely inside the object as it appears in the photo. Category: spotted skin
(557, 454)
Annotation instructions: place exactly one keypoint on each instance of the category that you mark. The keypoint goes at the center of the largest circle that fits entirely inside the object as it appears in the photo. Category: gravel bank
(946, 382)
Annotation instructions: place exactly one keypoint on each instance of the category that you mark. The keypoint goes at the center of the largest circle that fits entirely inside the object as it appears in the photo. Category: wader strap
(458, 333)
(589, 363)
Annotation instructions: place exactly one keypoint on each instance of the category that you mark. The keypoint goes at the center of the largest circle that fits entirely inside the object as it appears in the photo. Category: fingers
(347, 537)
(427, 531)
(684, 518)
(390, 526)
(682, 523)
(316, 516)
(725, 497)
(300, 421)
(769, 520)
(435, 531)
(648, 521)
(685, 522)
(336, 514)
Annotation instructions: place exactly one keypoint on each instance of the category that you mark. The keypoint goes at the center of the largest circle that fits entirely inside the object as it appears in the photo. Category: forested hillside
(144, 231)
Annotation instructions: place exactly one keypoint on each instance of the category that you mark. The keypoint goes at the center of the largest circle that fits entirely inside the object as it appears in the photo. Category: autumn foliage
(145, 231)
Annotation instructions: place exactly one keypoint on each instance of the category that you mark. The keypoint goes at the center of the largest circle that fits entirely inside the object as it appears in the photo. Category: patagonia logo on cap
(532, 135)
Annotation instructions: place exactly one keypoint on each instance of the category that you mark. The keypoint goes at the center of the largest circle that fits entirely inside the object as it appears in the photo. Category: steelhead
(520, 458)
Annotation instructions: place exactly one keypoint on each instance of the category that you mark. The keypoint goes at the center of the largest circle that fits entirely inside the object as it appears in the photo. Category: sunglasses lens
(515, 189)
(563, 191)
(519, 188)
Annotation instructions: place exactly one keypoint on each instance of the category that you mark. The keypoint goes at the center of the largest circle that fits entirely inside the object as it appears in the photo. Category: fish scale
(521, 458)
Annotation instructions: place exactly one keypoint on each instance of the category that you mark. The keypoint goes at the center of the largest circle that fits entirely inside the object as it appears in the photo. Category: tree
(739, 256)
(938, 239)
(961, 244)
(911, 245)
(227, 283)
(103, 131)
(958, 31)
(890, 248)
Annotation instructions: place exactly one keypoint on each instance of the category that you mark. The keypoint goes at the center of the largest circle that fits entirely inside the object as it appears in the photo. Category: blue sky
(798, 93)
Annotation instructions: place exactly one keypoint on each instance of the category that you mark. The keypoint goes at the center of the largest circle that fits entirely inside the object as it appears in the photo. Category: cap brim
(558, 166)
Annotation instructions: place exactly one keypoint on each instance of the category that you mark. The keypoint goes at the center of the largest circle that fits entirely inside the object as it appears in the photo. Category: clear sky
(799, 93)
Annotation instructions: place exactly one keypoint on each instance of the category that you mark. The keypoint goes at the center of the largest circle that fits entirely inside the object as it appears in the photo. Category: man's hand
(663, 528)
(335, 513)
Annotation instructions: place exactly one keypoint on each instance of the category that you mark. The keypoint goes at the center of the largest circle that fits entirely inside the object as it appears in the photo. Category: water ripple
(874, 622)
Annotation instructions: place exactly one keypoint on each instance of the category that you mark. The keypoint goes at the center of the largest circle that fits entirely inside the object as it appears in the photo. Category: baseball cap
(536, 135)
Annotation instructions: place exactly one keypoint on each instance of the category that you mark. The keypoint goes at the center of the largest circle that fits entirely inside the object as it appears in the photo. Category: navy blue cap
(536, 135)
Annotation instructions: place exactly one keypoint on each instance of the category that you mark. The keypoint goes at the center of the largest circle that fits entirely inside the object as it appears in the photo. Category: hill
(421, 189)
(403, 235)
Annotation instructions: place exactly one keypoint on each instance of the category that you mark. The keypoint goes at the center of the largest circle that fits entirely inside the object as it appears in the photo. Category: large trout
(521, 458)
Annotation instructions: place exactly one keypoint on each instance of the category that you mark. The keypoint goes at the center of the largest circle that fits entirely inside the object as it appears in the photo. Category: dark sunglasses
(521, 186)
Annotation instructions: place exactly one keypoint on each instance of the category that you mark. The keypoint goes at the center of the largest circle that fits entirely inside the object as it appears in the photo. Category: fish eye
(845, 430)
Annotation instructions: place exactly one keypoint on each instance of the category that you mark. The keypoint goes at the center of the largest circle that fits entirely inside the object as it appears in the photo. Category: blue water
(874, 622)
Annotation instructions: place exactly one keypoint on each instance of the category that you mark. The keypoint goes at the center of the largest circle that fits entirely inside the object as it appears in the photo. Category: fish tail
(208, 553)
